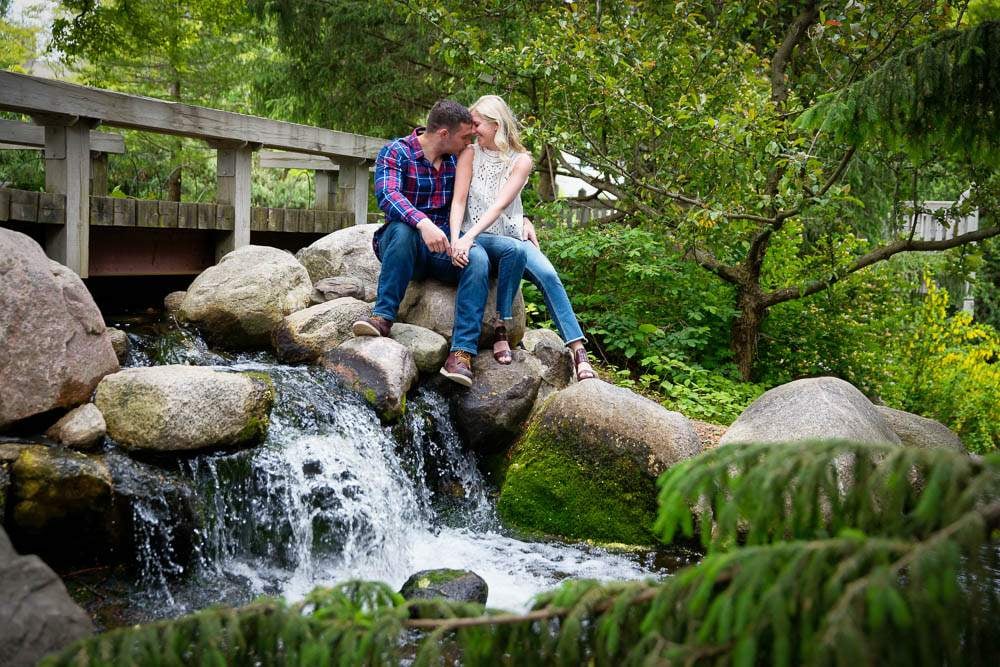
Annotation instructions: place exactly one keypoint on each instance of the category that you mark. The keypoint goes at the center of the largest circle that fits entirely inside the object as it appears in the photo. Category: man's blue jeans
(507, 260)
(406, 257)
(539, 270)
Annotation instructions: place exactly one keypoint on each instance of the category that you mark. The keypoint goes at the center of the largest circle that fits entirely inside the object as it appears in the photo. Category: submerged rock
(170, 408)
(54, 348)
(380, 369)
(587, 465)
(916, 431)
(80, 428)
(61, 498)
(37, 615)
(431, 304)
(306, 334)
(239, 301)
(345, 253)
(429, 349)
(811, 409)
(458, 585)
(490, 415)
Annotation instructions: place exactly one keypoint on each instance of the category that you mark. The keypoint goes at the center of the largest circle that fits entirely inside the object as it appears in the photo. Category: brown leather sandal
(503, 356)
(580, 357)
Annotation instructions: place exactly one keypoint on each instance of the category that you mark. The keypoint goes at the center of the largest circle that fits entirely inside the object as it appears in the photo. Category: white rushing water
(333, 494)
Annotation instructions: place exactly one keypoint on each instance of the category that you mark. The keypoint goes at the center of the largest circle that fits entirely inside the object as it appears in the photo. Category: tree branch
(878, 255)
(779, 89)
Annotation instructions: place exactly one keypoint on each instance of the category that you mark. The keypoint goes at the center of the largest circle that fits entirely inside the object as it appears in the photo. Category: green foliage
(17, 44)
(818, 554)
(940, 94)
(986, 288)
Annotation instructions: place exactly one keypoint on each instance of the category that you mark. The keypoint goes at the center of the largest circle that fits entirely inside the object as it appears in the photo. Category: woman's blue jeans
(507, 257)
(539, 271)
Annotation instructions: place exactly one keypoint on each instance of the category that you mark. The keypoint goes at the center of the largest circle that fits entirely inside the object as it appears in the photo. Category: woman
(490, 176)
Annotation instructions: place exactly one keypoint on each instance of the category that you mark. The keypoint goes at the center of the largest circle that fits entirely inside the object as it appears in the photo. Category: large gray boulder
(491, 414)
(54, 348)
(345, 253)
(171, 408)
(824, 408)
(80, 428)
(429, 349)
(587, 464)
(76, 508)
(457, 585)
(917, 431)
(240, 300)
(306, 334)
(37, 615)
(380, 369)
(431, 304)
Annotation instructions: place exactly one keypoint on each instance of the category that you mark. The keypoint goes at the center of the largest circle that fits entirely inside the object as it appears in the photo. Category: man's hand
(433, 237)
(528, 233)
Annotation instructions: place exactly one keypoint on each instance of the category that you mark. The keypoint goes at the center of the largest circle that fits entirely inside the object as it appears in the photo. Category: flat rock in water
(306, 334)
(811, 409)
(170, 408)
(345, 253)
(429, 349)
(431, 304)
(80, 428)
(37, 615)
(242, 299)
(54, 348)
(458, 585)
(380, 369)
(491, 414)
(917, 431)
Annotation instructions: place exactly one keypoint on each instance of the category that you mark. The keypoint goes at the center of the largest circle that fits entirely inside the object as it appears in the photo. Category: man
(414, 182)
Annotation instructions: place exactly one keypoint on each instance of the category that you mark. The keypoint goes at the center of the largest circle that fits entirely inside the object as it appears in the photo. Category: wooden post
(98, 174)
(233, 178)
(67, 172)
(326, 190)
(352, 189)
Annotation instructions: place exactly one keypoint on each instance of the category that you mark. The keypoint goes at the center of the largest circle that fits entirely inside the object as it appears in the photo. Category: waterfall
(334, 494)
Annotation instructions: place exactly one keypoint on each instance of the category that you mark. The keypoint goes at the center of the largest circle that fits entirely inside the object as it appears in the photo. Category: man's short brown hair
(447, 114)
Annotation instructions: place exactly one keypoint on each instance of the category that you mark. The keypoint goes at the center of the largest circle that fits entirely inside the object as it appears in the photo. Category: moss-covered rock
(586, 467)
(460, 585)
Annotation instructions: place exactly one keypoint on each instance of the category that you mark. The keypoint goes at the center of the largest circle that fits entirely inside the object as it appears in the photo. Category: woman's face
(486, 130)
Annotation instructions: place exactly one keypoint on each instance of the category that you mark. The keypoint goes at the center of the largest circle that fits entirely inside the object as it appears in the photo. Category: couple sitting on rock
(453, 211)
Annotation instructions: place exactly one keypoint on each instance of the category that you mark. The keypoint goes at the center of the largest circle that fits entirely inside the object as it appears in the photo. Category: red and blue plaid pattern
(408, 187)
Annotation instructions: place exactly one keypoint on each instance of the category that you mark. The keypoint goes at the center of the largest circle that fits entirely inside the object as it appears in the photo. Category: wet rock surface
(457, 585)
(380, 369)
(80, 428)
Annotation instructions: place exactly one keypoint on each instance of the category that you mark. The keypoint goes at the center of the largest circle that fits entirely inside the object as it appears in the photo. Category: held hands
(528, 233)
(433, 237)
(460, 251)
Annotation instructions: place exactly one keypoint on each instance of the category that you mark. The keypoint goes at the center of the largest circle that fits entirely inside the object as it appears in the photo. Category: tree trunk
(746, 328)
(546, 174)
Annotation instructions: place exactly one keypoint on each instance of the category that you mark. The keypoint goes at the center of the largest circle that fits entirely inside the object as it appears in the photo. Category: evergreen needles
(817, 553)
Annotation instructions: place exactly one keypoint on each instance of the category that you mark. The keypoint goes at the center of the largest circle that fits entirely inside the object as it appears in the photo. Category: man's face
(457, 139)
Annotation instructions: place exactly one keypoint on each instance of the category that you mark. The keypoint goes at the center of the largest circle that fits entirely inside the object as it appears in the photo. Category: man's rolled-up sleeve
(388, 188)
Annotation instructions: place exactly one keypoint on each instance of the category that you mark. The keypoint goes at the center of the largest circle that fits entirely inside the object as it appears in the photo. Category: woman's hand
(528, 233)
(460, 251)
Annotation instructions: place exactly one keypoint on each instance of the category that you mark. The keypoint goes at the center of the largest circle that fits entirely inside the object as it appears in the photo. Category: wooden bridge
(97, 235)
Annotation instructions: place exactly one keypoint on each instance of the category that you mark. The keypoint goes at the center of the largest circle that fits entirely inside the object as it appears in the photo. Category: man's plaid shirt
(409, 189)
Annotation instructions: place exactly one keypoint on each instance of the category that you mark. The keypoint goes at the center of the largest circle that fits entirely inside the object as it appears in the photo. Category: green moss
(555, 487)
(256, 427)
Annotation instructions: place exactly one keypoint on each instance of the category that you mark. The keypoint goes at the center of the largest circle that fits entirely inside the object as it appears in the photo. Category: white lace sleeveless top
(489, 174)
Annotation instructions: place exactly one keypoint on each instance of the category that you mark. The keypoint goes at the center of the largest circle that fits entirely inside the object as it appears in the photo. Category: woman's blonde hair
(495, 110)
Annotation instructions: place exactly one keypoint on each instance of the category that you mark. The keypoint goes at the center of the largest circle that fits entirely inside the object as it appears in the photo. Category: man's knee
(400, 238)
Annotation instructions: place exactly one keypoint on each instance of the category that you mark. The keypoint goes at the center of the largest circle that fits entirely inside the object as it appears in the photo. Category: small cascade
(334, 494)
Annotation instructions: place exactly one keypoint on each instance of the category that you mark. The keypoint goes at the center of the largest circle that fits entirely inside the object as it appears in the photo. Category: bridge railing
(65, 116)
